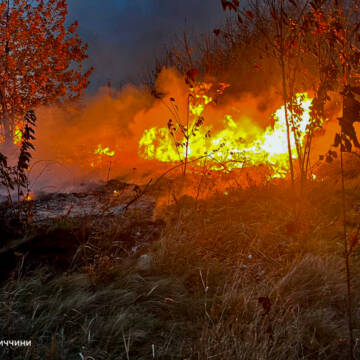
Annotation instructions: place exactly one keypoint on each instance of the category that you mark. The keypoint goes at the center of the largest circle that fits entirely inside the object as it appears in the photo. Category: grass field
(256, 273)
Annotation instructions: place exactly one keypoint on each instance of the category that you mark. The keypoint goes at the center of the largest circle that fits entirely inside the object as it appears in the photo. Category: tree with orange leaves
(40, 58)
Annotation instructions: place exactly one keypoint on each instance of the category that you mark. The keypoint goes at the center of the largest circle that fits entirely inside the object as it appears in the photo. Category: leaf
(250, 14)
(347, 145)
(351, 114)
(333, 154)
(274, 15)
(314, 5)
(224, 4)
(337, 140)
(191, 74)
(3, 160)
(216, 32)
(227, 5)
(353, 240)
(328, 159)
(73, 27)
(157, 95)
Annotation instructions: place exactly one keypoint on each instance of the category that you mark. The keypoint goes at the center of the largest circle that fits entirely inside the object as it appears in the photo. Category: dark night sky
(125, 35)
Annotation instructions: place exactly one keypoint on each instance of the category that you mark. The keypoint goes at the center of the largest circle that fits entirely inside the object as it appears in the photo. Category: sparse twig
(347, 256)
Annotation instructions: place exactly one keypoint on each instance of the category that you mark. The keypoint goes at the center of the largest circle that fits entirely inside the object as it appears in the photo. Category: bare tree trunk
(347, 257)
(285, 97)
(187, 136)
(288, 132)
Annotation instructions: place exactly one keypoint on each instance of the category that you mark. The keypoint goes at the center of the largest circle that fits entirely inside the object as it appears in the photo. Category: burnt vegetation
(195, 263)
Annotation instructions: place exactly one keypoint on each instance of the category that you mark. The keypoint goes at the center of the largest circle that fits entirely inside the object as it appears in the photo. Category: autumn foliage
(40, 58)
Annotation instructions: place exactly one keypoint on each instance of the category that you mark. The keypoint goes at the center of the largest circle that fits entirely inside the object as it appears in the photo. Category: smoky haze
(124, 37)
(67, 137)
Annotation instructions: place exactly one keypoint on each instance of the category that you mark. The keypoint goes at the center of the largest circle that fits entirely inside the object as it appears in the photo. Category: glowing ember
(240, 143)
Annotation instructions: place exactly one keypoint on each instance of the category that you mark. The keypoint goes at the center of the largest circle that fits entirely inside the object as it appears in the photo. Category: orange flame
(17, 135)
(240, 143)
(29, 197)
(100, 152)
(104, 151)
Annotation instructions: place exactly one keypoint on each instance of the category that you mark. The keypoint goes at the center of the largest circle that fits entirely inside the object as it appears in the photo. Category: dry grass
(197, 294)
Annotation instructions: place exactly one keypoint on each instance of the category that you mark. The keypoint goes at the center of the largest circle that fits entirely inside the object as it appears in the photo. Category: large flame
(240, 143)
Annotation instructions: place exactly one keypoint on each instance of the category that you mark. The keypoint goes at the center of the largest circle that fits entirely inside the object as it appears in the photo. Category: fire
(240, 143)
(104, 151)
(29, 197)
(100, 152)
(17, 135)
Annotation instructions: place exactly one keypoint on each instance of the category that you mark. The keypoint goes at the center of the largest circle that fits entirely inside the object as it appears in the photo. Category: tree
(16, 177)
(340, 23)
(293, 34)
(40, 58)
(279, 29)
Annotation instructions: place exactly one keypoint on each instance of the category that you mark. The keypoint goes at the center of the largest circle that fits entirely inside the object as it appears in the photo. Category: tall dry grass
(254, 274)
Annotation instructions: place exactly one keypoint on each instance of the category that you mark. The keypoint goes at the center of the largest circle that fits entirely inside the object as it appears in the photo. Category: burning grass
(256, 273)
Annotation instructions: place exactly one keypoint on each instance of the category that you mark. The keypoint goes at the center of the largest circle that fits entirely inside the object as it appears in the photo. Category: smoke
(68, 136)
